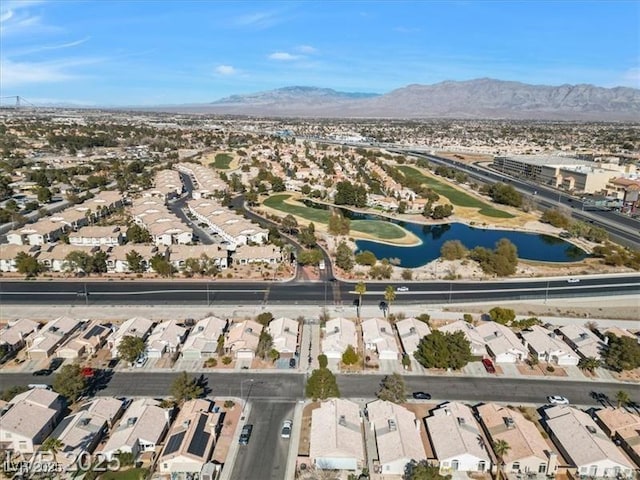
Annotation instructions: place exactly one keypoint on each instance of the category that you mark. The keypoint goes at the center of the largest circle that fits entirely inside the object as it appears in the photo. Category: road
(289, 387)
(171, 292)
(622, 229)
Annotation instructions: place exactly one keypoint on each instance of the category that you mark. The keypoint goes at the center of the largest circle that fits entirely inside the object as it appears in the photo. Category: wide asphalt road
(289, 387)
(174, 292)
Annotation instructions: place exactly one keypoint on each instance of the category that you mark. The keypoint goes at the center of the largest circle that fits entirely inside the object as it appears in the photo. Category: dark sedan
(421, 396)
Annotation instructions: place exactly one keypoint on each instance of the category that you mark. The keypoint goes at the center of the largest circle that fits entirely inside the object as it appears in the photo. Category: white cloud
(226, 70)
(258, 20)
(631, 78)
(283, 56)
(15, 74)
(308, 49)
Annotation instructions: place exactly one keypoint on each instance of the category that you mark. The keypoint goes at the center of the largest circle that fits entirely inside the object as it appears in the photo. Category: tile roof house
(95, 235)
(284, 332)
(548, 347)
(242, 339)
(336, 436)
(624, 427)
(502, 343)
(457, 440)
(191, 439)
(178, 255)
(45, 342)
(54, 258)
(166, 337)
(471, 333)
(8, 254)
(582, 443)
(397, 432)
(411, 331)
(378, 336)
(140, 429)
(202, 341)
(136, 326)
(582, 340)
(88, 342)
(30, 419)
(15, 333)
(529, 451)
(117, 259)
(339, 333)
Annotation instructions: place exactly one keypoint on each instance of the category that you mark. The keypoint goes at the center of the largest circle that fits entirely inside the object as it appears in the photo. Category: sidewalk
(230, 461)
(294, 441)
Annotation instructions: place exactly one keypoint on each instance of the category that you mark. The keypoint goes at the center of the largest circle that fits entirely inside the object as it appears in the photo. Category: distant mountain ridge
(483, 98)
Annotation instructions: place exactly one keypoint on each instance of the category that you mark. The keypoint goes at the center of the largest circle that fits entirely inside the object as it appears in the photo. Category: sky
(116, 53)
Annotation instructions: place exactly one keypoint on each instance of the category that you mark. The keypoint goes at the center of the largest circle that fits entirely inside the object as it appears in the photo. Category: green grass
(130, 474)
(378, 228)
(455, 196)
(222, 161)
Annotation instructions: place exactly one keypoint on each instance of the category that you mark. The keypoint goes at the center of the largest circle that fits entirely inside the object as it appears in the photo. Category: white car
(286, 429)
(557, 400)
(573, 280)
(402, 289)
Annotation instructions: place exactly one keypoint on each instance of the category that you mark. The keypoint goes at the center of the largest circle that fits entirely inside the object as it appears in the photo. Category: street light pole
(208, 292)
(244, 403)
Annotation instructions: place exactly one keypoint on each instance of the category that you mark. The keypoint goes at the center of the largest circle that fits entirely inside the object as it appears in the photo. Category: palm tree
(622, 397)
(53, 445)
(501, 447)
(361, 289)
(589, 363)
(389, 296)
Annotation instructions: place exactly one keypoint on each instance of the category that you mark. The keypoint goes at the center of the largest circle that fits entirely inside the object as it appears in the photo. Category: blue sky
(164, 52)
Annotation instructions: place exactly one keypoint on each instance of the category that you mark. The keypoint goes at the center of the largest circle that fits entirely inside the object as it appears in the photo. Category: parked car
(245, 434)
(55, 363)
(286, 429)
(402, 289)
(292, 362)
(488, 365)
(421, 396)
(42, 373)
(88, 372)
(140, 361)
(573, 280)
(557, 400)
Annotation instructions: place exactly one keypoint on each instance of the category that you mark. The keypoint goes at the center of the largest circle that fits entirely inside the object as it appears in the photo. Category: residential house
(623, 427)
(141, 429)
(268, 254)
(191, 440)
(88, 342)
(30, 419)
(82, 430)
(54, 258)
(98, 236)
(529, 452)
(339, 333)
(38, 233)
(202, 341)
(45, 342)
(178, 255)
(15, 333)
(336, 436)
(582, 340)
(378, 336)
(411, 331)
(502, 344)
(166, 337)
(8, 254)
(242, 339)
(117, 257)
(284, 332)
(547, 347)
(457, 440)
(397, 432)
(133, 327)
(582, 443)
(475, 339)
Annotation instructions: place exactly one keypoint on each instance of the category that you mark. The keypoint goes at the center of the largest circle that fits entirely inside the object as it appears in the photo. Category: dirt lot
(305, 428)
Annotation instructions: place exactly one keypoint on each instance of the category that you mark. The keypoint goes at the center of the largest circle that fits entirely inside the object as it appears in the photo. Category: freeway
(289, 387)
(167, 292)
(621, 228)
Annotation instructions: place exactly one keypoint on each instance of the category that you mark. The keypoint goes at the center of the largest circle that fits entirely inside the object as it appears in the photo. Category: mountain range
(483, 98)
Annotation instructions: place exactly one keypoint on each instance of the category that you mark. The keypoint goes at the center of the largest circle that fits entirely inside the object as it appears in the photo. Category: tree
(415, 470)
(389, 296)
(323, 361)
(407, 274)
(264, 318)
(344, 257)
(53, 445)
(621, 353)
(78, 261)
(393, 389)
(501, 448)
(69, 382)
(98, 263)
(505, 194)
(220, 345)
(185, 387)
(322, 385)
(27, 265)
(44, 195)
(136, 262)
(361, 289)
(307, 236)
(338, 225)
(265, 344)
(138, 234)
(554, 217)
(311, 256)
(443, 350)
(622, 398)
(8, 394)
(366, 258)
(503, 316)
(162, 266)
(453, 250)
(350, 357)
(442, 211)
(289, 224)
(589, 363)
(131, 347)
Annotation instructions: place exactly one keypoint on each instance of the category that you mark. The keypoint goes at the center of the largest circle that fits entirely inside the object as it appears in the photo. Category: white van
(39, 385)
